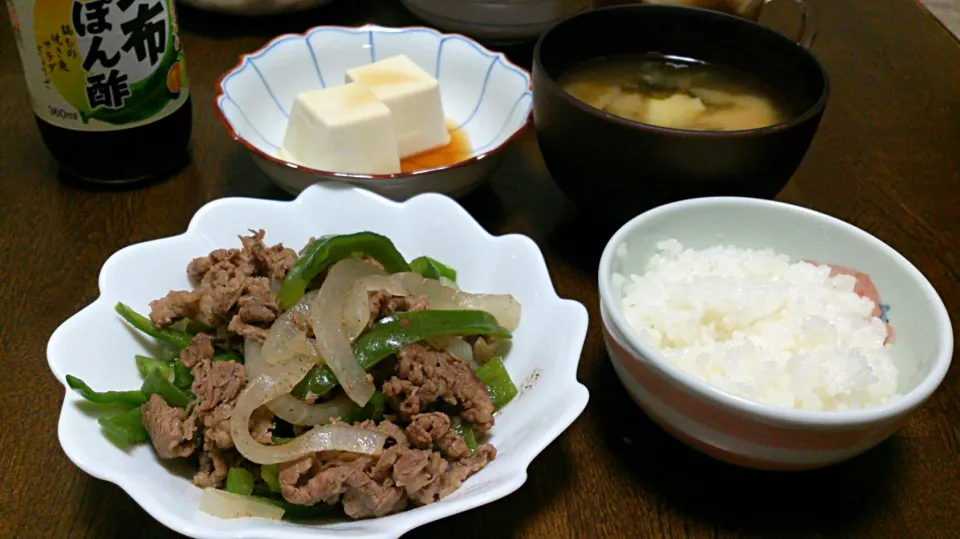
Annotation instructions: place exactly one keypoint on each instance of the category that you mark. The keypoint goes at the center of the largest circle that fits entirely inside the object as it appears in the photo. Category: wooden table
(887, 158)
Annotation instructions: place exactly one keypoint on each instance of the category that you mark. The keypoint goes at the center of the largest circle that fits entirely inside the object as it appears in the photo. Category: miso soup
(676, 93)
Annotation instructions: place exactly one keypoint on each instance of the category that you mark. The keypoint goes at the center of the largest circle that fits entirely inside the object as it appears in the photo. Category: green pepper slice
(465, 431)
(192, 327)
(131, 398)
(433, 269)
(182, 375)
(239, 481)
(180, 339)
(147, 364)
(392, 333)
(125, 427)
(294, 511)
(499, 385)
(157, 384)
(270, 473)
(331, 249)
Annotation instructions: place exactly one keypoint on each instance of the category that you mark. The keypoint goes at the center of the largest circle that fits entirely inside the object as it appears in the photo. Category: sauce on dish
(456, 151)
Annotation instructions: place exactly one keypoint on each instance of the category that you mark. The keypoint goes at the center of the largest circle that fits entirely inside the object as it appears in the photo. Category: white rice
(757, 325)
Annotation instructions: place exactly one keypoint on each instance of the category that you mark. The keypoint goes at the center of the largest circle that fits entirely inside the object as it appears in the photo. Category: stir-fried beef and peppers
(344, 378)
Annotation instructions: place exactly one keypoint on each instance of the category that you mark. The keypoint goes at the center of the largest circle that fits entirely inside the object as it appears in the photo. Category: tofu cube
(677, 111)
(341, 129)
(413, 97)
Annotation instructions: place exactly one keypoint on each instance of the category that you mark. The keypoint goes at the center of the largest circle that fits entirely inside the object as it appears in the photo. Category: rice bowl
(758, 325)
(740, 430)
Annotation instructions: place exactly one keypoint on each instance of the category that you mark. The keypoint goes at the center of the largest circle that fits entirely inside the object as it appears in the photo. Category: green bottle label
(100, 65)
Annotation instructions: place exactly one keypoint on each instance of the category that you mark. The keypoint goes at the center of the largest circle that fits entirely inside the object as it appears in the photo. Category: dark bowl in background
(615, 168)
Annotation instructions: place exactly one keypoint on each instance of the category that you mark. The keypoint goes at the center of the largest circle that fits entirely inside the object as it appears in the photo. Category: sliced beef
(212, 302)
(418, 472)
(425, 375)
(462, 469)
(247, 330)
(200, 269)
(200, 350)
(275, 261)
(395, 434)
(233, 287)
(216, 427)
(170, 429)
(293, 479)
(176, 304)
(374, 487)
(259, 304)
(311, 480)
(262, 425)
(314, 480)
(254, 258)
(425, 430)
(383, 303)
(428, 478)
(216, 383)
(367, 498)
(214, 466)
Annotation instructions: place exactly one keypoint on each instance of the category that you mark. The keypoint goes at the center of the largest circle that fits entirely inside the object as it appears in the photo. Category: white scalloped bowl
(483, 94)
(543, 360)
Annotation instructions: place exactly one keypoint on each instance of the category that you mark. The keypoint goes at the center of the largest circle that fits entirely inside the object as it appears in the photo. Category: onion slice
(356, 309)
(278, 380)
(461, 349)
(326, 316)
(448, 283)
(484, 351)
(296, 412)
(223, 504)
(503, 307)
(287, 407)
(287, 334)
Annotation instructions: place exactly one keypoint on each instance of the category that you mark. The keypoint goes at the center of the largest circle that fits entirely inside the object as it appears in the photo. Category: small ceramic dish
(543, 358)
(252, 8)
(483, 94)
(495, 21)
(745, 432)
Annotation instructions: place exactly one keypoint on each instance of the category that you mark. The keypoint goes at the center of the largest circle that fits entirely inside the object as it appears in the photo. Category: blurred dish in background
(255, 7)
(495, 21)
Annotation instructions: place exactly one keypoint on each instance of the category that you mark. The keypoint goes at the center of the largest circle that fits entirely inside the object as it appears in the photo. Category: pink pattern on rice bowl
(865, 289)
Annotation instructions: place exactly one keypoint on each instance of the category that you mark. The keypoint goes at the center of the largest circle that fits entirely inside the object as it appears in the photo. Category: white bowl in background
(483, 93)
(254, 7)
(748, 433)
(495, 21)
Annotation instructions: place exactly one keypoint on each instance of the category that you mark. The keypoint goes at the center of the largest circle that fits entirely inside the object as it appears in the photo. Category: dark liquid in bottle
(124, 155)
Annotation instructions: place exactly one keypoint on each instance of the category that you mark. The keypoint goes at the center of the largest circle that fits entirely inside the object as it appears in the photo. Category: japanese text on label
(114, 61)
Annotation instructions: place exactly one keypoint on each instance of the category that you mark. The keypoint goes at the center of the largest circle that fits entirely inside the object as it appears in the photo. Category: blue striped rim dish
(523, 102)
